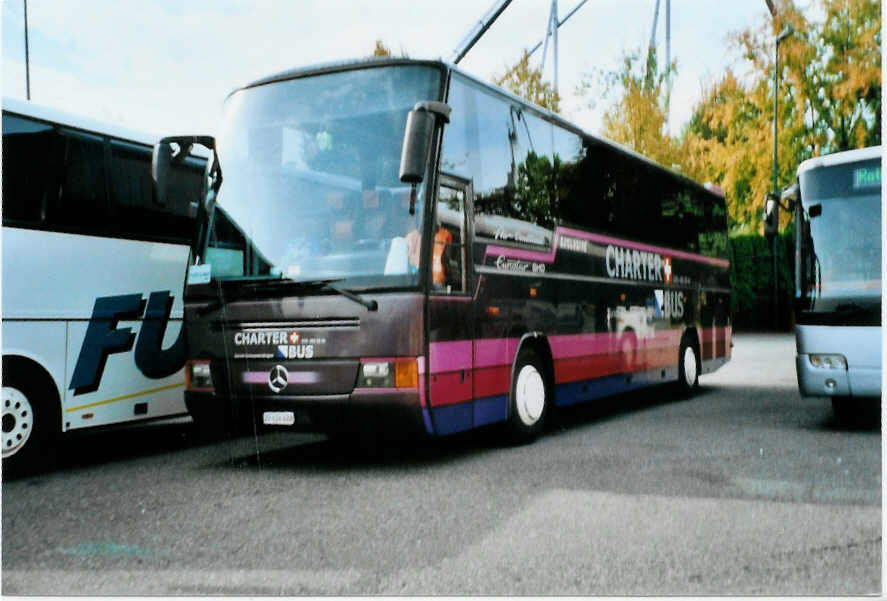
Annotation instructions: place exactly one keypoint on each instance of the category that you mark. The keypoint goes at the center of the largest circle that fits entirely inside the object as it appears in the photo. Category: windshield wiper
(371, 305)
(269, 288)
(850, 307)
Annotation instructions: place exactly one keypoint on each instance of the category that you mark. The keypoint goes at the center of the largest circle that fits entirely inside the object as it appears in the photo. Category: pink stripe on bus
(640, 246)
(578, 345)
(293, 377)
(548, 256)
(449, 356)
(519, 253)
(494, 352)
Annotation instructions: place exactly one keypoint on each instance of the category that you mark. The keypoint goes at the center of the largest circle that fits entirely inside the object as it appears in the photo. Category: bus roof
(840, 158)
(441, 64)
(82, 123)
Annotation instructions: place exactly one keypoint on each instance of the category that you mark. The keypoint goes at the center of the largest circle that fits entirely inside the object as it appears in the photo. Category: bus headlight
(376, 374)
(198, 375)
(401, 373)
(820, 361)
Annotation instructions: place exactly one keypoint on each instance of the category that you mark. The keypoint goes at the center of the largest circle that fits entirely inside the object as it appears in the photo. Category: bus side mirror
(417, 139)
(771, 216)
(165, 156)
(790, 196)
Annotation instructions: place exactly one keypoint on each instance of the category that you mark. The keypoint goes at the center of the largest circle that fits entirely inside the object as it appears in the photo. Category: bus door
(451, 311)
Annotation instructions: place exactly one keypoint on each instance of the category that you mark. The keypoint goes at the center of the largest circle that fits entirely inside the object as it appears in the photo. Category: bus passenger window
(448, 249)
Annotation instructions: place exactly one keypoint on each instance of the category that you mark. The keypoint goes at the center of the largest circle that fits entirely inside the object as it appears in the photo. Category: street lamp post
(784, 34)
(27, 59)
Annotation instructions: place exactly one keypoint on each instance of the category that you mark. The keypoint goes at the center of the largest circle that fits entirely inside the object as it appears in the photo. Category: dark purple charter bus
(396, 244)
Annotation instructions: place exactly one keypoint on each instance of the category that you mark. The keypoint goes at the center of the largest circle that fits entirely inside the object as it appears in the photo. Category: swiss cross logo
(666, 269)
(294, 337)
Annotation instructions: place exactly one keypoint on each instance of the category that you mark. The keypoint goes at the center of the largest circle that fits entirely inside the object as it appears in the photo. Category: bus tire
(31, 418)
(688, 366)
(530, 398)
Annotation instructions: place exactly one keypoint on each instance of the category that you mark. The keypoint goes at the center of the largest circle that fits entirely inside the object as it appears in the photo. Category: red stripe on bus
(588, 367)
(450, 388)
(576, 357)
(492, 381)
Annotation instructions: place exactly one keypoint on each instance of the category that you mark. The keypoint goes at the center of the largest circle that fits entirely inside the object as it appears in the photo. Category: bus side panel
(48, 275)
(450, 364)
(101, 286)
(124, 393)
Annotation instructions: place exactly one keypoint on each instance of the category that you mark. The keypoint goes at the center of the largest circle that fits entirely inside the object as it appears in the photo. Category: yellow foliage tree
(829, 100)
(527, 82)
(381, 50)
(638, 119)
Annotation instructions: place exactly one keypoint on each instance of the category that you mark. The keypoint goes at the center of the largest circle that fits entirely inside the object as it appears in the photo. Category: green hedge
(751, 276)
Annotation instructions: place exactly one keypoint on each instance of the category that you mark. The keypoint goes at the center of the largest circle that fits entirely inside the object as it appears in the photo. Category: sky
(166, 66)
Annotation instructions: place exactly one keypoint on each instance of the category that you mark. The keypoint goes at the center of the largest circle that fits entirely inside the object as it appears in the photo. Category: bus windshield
(845, 244)
(311, 187)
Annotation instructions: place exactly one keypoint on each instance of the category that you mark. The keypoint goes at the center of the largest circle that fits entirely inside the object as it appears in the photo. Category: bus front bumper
(853, 381)
(388, 410)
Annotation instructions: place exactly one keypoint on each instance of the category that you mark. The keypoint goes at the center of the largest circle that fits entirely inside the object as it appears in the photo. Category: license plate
(278, 418)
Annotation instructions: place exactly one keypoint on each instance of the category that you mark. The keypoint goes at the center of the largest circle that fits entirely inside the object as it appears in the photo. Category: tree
(638, 117)
(381, 50)
(829, 100)
(728, 141)
(526, 82)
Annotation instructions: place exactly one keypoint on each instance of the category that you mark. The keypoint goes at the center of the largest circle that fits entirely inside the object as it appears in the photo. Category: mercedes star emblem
(277, 378)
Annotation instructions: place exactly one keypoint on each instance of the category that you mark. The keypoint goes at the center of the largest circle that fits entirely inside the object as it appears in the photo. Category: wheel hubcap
(690, 365)
(529, 395)
(18, 420)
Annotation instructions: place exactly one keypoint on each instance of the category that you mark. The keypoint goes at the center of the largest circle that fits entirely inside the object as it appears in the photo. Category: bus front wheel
(530, 398)
(30, 426)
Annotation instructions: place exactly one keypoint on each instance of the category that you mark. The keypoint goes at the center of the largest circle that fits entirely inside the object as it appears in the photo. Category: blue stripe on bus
(490, 410)
(453, 418)
(587, 390)
(481, 412)
(426, 417)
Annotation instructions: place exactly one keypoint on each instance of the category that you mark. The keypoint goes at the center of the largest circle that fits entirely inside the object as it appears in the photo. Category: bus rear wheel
(29, 429)
(688, 366)
(530, 398)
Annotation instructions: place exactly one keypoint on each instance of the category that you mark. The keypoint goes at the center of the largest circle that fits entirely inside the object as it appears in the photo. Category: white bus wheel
(18, 420)
(530, 398)
(30, 420)
(688, 366)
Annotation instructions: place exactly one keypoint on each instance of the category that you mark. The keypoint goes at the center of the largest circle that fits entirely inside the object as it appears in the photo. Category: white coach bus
(93, 269)
(837, 204)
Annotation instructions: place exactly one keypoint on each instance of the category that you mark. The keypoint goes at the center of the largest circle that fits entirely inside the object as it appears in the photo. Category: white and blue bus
(837, 204)
(93, 269)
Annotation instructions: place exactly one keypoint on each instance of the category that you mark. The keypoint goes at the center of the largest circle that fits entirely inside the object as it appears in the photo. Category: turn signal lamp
(406, 374)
